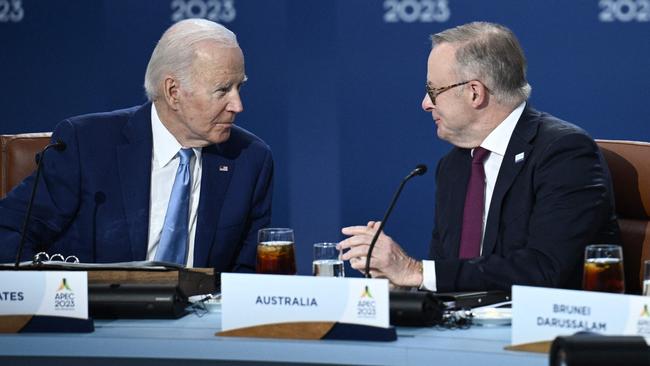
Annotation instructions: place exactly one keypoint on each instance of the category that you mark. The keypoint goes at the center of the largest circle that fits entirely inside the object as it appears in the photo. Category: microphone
(100, 198)
(57, 145)
(40, 157)
(419, 170)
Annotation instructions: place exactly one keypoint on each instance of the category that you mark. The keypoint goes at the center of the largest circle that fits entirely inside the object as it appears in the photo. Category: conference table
(191, 340)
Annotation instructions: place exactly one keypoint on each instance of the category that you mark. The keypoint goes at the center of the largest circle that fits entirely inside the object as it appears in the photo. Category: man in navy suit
(520, 194)
(105, 197)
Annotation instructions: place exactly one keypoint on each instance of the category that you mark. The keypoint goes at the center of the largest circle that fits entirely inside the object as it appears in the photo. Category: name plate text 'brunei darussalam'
(541, 314)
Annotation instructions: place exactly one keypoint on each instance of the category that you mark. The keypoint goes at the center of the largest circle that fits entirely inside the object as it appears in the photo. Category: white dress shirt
(497, 143)
(164, 163)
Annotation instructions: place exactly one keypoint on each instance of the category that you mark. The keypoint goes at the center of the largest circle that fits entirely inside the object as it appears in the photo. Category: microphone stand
(419, 170)
(60, 146)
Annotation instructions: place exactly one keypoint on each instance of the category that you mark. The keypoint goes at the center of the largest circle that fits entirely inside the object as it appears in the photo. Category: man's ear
(479, 93)
(171, 92)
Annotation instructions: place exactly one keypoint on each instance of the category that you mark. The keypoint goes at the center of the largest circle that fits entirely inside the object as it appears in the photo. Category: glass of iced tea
(275, 251)
(604, 269)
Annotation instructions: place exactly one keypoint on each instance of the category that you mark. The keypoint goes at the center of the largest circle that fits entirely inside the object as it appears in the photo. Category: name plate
(255, 299)
(48, 293)
(541, 314)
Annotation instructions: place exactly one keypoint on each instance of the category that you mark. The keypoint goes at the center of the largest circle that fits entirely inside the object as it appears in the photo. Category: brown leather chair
(17, 159)
(629, 165)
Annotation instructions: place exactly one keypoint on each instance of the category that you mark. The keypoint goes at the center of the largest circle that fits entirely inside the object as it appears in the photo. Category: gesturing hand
(388, 259)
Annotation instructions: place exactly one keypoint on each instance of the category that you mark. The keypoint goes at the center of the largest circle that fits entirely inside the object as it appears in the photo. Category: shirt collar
(497, 141)
(165, 145)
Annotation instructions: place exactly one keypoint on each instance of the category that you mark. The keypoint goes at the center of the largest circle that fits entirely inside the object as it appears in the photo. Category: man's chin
(222, 137)
(445, 136)
(441, 134)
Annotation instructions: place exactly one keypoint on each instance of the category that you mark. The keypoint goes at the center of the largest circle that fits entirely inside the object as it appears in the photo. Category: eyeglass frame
(430, 91)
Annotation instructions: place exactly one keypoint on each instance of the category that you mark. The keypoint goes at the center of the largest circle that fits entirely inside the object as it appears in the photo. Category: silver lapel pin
(519, 157)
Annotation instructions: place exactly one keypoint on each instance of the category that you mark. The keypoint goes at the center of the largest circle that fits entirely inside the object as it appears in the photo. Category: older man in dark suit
(173, 180)
(521, 193)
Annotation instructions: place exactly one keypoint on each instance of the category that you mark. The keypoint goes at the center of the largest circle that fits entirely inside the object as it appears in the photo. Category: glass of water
(327, 260)
(646, 278)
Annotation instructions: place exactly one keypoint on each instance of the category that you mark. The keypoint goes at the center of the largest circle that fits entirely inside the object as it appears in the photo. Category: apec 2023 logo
(366, 306)
(64, 299)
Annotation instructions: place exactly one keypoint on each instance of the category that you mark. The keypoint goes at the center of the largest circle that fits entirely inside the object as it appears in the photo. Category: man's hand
(388, 259)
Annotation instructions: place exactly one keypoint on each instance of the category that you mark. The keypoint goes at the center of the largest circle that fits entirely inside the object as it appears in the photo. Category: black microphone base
(595, 350)
(136, 301)
(415, 309)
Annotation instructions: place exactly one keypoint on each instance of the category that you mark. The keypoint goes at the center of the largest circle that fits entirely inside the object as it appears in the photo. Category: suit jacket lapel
(215, 178)
(134, 162)
(519, 143)
(462, 163)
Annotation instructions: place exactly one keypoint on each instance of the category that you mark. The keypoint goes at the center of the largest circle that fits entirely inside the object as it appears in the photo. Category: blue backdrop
(334, 86)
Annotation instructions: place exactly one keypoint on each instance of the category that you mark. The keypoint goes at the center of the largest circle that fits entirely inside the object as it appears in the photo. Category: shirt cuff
(429, 276)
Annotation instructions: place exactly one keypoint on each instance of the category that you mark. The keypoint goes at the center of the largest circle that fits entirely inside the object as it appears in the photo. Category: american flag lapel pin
(223, 168)
(519, 157)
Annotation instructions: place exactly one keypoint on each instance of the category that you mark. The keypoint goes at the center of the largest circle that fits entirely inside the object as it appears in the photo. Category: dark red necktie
(470, 237)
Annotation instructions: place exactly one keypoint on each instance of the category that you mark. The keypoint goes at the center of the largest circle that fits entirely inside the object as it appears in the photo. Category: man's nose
(235, 105)
(427, 104)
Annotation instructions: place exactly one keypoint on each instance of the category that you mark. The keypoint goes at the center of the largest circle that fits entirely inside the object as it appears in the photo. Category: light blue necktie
(175, 233)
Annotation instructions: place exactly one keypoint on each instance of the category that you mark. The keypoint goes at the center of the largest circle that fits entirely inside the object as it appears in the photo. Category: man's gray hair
(489, 53)
(176, 51)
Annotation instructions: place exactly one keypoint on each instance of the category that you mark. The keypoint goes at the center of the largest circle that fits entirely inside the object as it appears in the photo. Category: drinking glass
(327, 261)
(646, 278)
(604, 269)
(275, 251)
